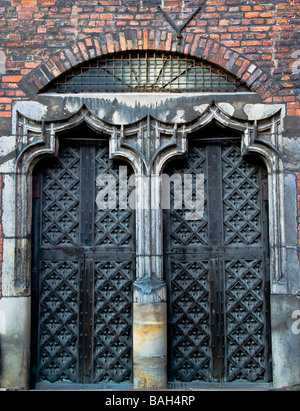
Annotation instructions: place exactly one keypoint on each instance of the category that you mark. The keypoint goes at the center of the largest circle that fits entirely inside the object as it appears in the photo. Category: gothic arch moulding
(131, 40)
(39, 138)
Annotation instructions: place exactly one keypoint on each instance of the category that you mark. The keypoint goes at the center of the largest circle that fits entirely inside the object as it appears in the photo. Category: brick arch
(129, 40)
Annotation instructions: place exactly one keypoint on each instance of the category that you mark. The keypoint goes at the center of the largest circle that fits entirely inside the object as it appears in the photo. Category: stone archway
(192, 44)
(39, 138)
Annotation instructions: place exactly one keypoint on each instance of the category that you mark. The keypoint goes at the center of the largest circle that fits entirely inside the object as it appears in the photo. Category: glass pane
(147, 72)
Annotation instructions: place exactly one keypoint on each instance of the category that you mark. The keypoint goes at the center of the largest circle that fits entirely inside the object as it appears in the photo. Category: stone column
(149, 292)
(149, 335)
(147, 144)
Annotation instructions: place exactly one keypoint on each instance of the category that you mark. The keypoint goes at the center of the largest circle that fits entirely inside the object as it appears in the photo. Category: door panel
(61, 200)
(112, 320)
(217, 270)
(189, 331)
(246, 333)
(83, 268)
(59, 319)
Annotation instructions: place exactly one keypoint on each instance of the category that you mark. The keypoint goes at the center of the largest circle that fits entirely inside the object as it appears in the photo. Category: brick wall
(31, 31)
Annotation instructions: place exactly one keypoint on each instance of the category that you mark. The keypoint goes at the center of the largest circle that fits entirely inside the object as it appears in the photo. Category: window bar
(138, 71)
(160, 74)
(146, 72)
(170, 73)
(201, 80)
(113, 72)
(155, 69)
(178, 71)
(204, 74)
(122, 74)
(90, 78)
(107, 75)
(153, 73)
(195, 79)
(135, 75)
(218, 82)
(99, 77)
(163, 72)
(130, 72)
(80, 78)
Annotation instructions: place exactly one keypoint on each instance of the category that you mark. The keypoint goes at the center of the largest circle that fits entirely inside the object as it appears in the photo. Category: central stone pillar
(149, 290)
(147, 145)
(150, 334)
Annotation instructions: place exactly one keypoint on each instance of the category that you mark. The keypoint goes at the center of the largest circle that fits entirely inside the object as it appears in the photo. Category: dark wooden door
(217, 270)
(83, 268)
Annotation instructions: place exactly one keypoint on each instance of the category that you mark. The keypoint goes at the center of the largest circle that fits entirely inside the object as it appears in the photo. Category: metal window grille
(146, 72)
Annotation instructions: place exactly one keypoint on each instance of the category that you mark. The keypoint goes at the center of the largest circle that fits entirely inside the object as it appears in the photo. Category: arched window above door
(145, 72)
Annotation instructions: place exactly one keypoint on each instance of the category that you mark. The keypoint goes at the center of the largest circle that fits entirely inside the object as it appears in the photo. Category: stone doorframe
(147, 145)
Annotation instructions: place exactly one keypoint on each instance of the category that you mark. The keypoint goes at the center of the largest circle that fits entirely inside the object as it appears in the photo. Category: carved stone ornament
(147, 145)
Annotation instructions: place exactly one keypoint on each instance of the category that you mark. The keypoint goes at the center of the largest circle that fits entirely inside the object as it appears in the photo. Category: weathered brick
(11, 79)
(27, 16)
(45, 2)
(66, 34)
(5, 113)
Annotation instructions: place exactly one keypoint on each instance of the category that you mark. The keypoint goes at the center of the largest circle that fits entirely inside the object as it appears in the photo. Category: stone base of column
(150, 346)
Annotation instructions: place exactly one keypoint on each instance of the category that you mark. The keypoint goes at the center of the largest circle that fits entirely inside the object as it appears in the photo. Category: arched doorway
(224, 254)
(78, 244)
(83, 267)
(217, 265)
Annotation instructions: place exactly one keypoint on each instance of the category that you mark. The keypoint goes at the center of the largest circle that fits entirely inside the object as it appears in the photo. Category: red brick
(88, 42)
(45, 2)
(11, 79)
(237, 29)
(171, 3)
(14, 37)
(110, 43)
(27, 16)
(293, 105)
(28, 2)
(169, 41)
(106, 16)
(5, 113)
(261, 27)
(252, 15)
(5, 100)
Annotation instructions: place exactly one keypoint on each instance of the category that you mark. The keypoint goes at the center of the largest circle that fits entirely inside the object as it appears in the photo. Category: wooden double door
(216, 269)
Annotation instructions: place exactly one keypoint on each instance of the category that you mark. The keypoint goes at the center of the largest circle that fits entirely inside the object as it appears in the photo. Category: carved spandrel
(29, 133)
(145, 141)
